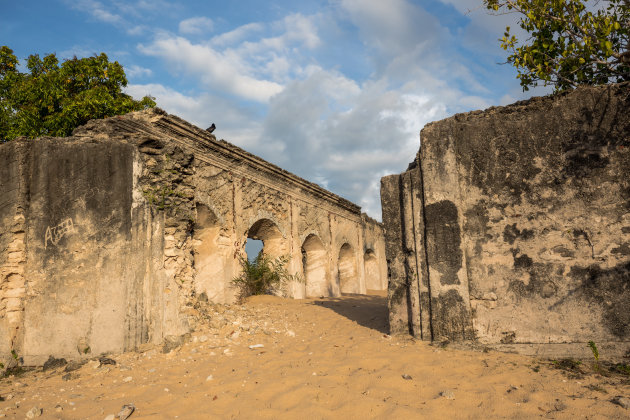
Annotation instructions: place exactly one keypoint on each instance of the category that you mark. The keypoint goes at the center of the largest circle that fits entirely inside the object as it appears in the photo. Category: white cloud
(136, 29)
(250, 69)
(113, 13)
(196, 25)
(141, 7)
(187, 107)
(344, 135)
(466, 6)
(340, 130)
(236, 35)
(97, 10)
(137, 71)
(302, 30)
(410, 106)
(234, 123)
(392, 27)
(225, 70)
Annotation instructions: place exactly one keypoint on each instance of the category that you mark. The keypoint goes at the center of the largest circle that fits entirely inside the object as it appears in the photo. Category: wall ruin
(107, 237)
(512, 227)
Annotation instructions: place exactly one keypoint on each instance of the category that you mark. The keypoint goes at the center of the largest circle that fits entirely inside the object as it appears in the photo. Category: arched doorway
(372, 276)
(315, 263)
(348, 278)
(210, 277)
(266, 231)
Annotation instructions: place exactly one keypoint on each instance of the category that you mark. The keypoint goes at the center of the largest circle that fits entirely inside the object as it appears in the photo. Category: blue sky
(335, 91)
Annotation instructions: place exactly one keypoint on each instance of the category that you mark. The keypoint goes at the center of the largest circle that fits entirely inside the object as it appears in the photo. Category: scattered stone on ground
(307, 357)
(34, 412)
(53, 363)
(621, 401)
(126, 411)
(172, 342)
(448, 394)
(106, 361)
(72, 366)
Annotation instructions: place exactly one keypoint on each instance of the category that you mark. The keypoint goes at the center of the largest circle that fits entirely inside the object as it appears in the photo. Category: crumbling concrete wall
(80, 273)
(110, 236)
(512, 226)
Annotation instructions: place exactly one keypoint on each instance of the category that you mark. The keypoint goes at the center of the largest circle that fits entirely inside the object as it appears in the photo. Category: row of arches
(212, 260)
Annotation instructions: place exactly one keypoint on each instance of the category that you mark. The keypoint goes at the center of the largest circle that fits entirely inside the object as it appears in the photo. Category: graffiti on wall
(55, 233)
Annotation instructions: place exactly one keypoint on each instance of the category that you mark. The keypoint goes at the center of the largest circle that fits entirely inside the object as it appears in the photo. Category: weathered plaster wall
(12, 247)
(374, 254)
(516, 223)
(80, 276)
(109, 236)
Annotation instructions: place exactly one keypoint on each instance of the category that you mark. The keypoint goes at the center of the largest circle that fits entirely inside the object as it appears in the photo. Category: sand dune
(312, 359)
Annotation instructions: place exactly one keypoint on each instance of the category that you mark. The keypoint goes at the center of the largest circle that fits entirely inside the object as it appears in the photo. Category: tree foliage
(52, 99)
(571, 42)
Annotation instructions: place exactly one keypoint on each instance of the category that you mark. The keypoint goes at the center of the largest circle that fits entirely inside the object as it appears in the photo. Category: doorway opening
(348, 278)
(209, 260)
(315, 263)
(372, 276)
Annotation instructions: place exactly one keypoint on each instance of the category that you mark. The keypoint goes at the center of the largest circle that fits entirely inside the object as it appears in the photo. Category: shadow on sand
(366, 310)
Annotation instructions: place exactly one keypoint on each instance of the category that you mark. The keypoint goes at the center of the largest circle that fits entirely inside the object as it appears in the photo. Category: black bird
(211, 128)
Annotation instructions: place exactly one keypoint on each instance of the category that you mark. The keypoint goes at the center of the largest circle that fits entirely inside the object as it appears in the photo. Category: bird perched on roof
(211, 128)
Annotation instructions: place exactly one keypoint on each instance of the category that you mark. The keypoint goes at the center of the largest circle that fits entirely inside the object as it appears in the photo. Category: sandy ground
(312, 359)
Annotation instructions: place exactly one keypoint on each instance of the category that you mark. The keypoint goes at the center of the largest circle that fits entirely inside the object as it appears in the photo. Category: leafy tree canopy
(52, 99)
(571, 42)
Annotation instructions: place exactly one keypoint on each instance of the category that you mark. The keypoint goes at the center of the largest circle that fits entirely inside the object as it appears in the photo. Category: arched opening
(315, 262)
(209, 261)
(348, 278)
(266, 231)
(372, 276)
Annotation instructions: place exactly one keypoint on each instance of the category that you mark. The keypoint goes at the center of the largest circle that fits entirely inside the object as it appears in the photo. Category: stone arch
(315, 264)
(348, 273)
(209, 254)
(268, 232)
(372, 275)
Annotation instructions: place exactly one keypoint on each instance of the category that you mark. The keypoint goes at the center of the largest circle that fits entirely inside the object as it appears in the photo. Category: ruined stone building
(512, 227)
(108, 236)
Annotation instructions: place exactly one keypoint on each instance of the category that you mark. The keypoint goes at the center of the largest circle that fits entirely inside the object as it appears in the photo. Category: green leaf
(564, 51)
(53, 98)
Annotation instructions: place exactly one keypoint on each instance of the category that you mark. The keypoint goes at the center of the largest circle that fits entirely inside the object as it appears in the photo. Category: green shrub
(263, 276)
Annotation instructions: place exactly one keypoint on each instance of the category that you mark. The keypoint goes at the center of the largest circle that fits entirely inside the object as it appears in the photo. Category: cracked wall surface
(109, 236)
(512, 227)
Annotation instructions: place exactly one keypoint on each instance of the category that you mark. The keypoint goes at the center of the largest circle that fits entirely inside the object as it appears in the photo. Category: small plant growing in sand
(263, 276)
(15, 367)
(571, 366)
(593, 347)
(623, 368)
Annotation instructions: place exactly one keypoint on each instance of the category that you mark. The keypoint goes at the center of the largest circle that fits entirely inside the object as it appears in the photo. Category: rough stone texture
(108, 237)
(12, 247)
(515, 221)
